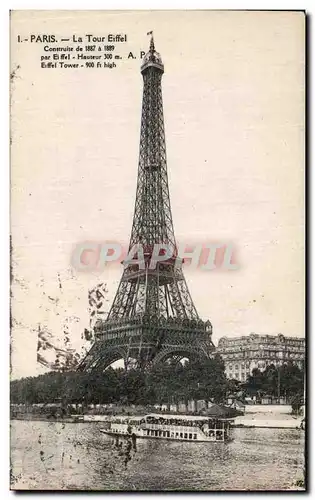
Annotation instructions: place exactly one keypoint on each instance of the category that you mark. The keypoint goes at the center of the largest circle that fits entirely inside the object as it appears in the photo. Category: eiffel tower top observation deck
(152, 58)
(152, 317)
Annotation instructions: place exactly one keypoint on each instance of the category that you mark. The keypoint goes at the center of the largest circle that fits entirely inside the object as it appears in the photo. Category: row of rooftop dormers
(254, 341)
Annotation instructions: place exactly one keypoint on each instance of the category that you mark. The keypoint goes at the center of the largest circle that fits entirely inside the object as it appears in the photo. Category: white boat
(172, 427)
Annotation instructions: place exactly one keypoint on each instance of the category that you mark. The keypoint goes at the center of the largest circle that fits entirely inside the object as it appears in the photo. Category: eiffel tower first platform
(153, 317)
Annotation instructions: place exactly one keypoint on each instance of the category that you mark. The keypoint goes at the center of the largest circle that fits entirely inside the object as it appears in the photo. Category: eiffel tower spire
(152, 317)
(152, 48)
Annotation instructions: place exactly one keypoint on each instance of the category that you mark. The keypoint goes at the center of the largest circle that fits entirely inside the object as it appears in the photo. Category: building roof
(223, 341)
(238, 402)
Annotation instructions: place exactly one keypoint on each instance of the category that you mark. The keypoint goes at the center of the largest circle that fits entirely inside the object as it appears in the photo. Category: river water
(50, 455)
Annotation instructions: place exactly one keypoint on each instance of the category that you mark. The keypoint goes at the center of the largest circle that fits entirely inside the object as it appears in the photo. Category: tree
(170, 382)
(286, 381)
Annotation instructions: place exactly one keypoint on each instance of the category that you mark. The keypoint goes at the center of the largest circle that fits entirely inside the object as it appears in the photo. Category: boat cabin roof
(157, 416)
(180, 417)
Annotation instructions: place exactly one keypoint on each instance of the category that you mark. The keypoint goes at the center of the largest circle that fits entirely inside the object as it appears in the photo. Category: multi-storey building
(242, 354)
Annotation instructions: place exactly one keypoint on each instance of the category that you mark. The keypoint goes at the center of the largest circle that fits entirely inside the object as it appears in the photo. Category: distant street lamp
(278, 384)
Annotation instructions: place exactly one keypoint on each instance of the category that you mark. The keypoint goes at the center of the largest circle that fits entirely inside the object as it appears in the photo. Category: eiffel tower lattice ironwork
(152, 317)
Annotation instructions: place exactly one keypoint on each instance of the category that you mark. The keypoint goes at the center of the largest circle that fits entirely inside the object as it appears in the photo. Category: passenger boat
(172, 427)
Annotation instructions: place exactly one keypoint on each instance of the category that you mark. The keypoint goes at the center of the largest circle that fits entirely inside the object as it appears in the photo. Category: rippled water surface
(48, 455)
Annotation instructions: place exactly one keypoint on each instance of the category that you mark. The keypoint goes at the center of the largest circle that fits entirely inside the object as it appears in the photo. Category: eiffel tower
(152, 318)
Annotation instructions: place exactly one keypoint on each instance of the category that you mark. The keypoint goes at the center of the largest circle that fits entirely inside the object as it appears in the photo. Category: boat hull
(143, 436)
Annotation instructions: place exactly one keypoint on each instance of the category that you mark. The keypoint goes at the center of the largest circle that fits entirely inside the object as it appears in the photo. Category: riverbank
(69, 419)
(270, 416)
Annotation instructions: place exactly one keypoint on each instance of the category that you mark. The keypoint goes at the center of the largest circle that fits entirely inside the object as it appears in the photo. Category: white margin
(4, 184)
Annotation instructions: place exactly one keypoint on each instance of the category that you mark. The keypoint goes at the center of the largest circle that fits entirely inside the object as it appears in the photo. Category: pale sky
(233, 93)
